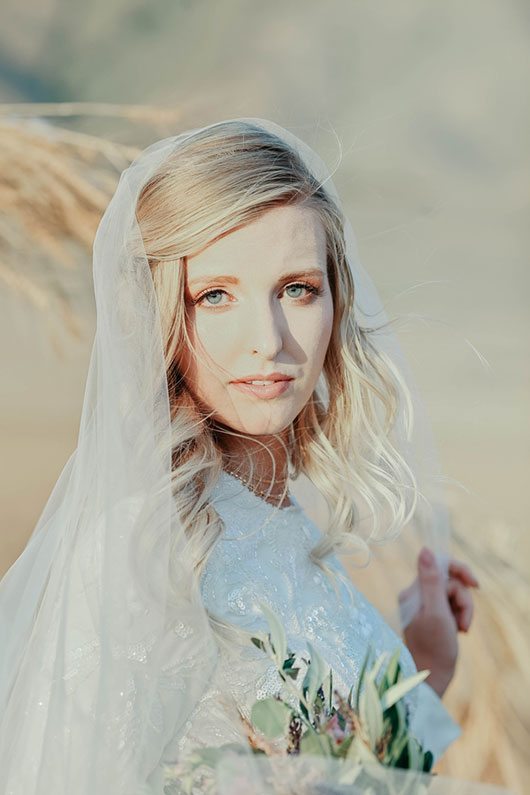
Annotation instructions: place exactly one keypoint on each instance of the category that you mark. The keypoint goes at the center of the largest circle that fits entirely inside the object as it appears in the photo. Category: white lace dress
(263, 555)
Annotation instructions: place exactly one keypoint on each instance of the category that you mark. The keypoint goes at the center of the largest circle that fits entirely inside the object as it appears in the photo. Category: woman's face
(258, 303)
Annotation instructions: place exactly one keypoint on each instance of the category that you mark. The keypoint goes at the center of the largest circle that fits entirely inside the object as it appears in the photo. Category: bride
(240, 348)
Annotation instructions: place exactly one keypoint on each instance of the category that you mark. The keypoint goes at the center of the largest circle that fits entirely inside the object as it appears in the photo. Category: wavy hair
(220, 179)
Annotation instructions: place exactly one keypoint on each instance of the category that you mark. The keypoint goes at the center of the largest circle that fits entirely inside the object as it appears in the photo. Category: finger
(462, 570)
(461, 603)
(462, 615)
(432, 585)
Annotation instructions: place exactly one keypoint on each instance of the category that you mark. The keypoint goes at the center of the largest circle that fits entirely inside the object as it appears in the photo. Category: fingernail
(426, 557)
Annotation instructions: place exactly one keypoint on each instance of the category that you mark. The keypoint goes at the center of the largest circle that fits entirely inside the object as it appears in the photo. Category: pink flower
(335, 730)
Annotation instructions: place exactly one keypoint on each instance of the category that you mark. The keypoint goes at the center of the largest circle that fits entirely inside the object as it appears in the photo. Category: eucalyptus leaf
(428, 761)
(342, 750)
(378, 665)
(391, 672)
(370, 711)
(289, 668)
(315, 674)
(396, 749)
(362, 673)
(259, 643)
(314, 743)
(271, 716)
(401, 713)
(393, 666)
(277, 633)
(415, 754)
(359, 752)
(327, 686)
(397, 691)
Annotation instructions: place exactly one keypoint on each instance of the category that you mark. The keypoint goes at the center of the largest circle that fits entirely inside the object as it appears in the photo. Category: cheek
(212, 359)
(313, 333)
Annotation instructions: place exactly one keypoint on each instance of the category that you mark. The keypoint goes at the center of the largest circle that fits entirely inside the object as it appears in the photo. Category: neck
(260, 461)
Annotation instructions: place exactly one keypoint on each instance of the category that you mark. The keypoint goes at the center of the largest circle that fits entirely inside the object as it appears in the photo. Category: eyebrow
(234, 280)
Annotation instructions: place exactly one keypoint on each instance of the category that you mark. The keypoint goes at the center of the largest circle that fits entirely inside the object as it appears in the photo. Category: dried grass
(54, 188)
(490, 695)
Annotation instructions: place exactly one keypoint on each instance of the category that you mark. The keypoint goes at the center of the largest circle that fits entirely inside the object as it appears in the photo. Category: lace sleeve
(431, 723)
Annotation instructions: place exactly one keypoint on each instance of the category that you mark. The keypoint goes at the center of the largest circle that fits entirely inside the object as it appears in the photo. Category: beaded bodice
(263, 555)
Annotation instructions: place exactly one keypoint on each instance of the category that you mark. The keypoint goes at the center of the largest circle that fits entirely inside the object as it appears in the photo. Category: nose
(265, 329)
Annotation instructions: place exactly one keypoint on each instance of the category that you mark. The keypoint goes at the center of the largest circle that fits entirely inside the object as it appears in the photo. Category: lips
(267, 378)
(271, 389)
(262, 380)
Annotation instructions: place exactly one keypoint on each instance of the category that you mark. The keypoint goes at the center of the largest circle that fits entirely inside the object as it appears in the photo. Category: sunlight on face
(274, 318)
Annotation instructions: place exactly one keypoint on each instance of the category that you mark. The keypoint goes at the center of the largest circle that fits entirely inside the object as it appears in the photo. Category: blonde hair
(221, 178)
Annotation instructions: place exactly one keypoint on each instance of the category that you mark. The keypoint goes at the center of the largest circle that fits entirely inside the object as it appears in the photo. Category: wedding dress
(263, 556)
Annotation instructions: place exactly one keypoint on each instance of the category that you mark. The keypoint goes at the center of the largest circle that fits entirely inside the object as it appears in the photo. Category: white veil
(105, 647)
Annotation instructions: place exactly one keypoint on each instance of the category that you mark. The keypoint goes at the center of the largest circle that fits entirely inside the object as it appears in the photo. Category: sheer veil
(106, 645)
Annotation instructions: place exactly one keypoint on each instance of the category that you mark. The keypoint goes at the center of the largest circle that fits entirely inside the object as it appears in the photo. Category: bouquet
(337, 741)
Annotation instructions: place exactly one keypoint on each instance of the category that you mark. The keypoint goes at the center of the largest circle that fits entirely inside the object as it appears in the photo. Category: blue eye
(297, 285)
(212, 292)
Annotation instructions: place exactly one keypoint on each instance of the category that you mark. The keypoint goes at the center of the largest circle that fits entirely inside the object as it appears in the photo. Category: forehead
(281, 237)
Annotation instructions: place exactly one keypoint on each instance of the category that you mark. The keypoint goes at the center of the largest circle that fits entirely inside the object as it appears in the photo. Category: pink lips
(266, 391)
(277, 376)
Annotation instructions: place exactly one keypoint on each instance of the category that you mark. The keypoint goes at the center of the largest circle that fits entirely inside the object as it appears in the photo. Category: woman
(222, 259)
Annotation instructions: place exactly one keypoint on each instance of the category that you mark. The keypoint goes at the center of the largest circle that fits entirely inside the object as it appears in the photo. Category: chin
(258, 425)
(259, 428)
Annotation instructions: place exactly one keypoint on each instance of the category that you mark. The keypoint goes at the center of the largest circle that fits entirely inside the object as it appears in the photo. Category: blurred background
(424, 111)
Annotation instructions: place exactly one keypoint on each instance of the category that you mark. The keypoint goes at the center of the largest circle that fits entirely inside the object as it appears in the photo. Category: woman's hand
(446, 609)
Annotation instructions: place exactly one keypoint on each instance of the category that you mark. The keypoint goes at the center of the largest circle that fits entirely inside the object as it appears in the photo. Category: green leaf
(401, 713)
(371, 713)
(314, 743)
(428, 761)
(259, 643)
(271, 716)
(396, 692)
(342, 749)
(327, 690)
(415, 754)
(396, 749)
(361, 676)
(315, 674)
(393, 667)
(277, 633)
(391, 672)
(377, 665)
(288, 668)
(359, 752)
